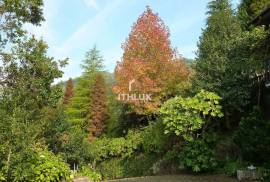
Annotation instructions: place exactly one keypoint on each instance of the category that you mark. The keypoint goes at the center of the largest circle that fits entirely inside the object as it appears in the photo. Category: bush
(111, 169)
(153, 138)
(198, 156)
(74, 147)
(106, 148)
(185, 116)
(90, 173)
(231, 167)
(40, 165)
(253, 137)
(172, 156)
(138, 165)
(265, 171)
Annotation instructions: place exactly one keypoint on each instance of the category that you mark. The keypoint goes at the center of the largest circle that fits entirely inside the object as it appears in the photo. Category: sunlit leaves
(184, 116)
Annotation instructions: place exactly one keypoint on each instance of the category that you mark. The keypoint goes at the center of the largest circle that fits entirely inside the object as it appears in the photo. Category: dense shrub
(253, 137)
(231, 167)
(172, 155)
(154, 139)
(74, 147)
(106, 148)
(265, 171)
(92, 175)
(198, 156)
(136, 165)
(111, 169)
(183, 116)
(40, 165)
(139, 165)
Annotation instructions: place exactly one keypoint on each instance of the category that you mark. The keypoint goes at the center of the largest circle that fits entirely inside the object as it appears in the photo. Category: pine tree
(78, 107)
(68, 92)
(98, 109)
(213, 48)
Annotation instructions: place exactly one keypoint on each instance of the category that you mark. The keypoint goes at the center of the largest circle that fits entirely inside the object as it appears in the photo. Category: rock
(162, 167)
(248, 175)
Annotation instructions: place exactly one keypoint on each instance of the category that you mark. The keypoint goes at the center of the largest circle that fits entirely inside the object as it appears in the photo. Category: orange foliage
(98, 108)
(68, 92)
(149, 59)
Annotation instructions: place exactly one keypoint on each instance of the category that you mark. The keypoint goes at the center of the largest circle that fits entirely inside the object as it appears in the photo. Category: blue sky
(72, 27)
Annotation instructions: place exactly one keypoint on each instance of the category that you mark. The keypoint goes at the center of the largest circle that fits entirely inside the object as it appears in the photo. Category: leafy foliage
(231, 167)
(25, 98)
(90, 173)
(198, 156)
(183, 116)
(136, 165)
(15, 14)
(39, 165)
(248, 57)
(111, 169)
(98, 108)
(106, 148)
(68, 92)
(253, 137)
(49, 168)
(211, 68)
(248, 9)
(148, 58)
(153, 138)
(79, 106)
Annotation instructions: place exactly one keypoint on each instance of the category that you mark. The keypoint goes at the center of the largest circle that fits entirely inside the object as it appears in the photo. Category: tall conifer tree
(68, 92)
(78, 109)
(98, 109)
(213, 48)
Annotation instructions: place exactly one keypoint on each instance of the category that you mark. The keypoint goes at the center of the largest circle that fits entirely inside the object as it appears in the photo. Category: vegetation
(98, 115)
(147, 58)
(199, 156)
(68, 92)
(208, 115)
(185, 116)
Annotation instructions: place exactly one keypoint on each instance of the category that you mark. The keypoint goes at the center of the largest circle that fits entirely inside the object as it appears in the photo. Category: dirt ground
(179, 178)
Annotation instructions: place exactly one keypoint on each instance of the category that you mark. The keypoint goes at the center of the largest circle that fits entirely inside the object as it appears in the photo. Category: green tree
(247, 58)
(16, 13)
(78, 108)
(213, 48)
(28, 74)
(249, 9)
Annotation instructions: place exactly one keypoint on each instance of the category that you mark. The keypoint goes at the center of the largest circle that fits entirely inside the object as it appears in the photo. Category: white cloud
(92, 4)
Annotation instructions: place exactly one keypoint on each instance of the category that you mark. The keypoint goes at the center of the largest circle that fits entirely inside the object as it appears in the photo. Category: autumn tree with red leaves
(98, 108)
(149, 59)
(68, 92)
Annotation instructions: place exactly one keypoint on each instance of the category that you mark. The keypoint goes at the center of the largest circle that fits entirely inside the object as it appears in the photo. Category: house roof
(263, 18)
